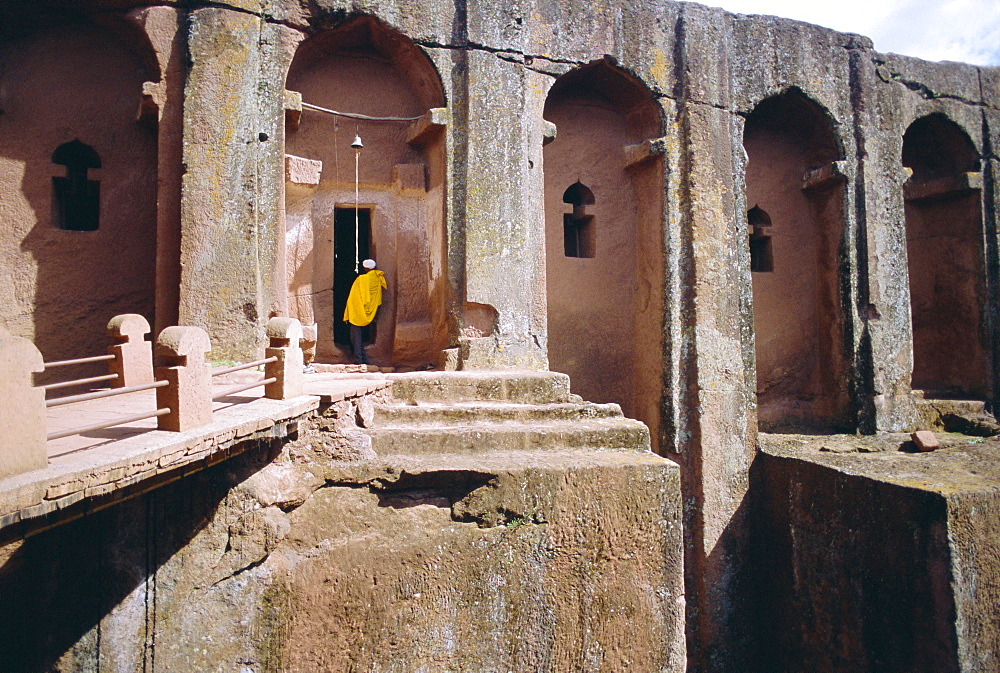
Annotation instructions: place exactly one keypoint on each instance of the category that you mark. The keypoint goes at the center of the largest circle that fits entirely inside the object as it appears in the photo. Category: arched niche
(605, 288)
(794, 229)
(946, 261)
(70, 94)
(364, 67)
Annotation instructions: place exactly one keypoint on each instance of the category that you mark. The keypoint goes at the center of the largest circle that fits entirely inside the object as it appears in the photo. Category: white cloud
(956, 30)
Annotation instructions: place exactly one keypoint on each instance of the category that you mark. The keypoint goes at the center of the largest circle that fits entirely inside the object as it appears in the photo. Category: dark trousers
(358, 346)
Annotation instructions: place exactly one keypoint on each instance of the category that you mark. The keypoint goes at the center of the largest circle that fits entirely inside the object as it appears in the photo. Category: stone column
(501, 202)
(710, 414)
(231, 229)
(885, 348)
(991, 216)
(163, 104)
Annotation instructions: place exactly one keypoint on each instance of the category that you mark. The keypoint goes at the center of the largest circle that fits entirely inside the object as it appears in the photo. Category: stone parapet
(82, 481)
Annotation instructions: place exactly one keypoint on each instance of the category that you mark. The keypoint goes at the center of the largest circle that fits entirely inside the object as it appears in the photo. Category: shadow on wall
(722, 633)
(794, 194)
(77, 184)
(844, 580)
(604, 250)
(57, 586)
(946, 261)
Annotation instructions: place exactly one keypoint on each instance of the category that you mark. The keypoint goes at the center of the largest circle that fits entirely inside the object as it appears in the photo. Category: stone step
(961, 416)
(523, 486)
(526, 387)
(955, 406)
(480, 413)
(596, 433)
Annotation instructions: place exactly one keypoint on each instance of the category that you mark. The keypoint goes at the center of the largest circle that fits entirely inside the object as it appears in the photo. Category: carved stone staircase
(443, 436)
(474, 413)
(513, 504)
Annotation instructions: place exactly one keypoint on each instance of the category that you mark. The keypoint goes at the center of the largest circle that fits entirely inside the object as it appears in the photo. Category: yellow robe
(365, 298)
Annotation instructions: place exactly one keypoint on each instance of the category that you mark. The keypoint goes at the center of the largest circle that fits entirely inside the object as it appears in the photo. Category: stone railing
(183, 383)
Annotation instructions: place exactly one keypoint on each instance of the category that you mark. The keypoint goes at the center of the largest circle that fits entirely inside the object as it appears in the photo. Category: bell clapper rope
(356, 145)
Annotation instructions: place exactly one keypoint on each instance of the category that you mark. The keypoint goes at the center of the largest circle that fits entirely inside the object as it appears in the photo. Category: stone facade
(677, 119)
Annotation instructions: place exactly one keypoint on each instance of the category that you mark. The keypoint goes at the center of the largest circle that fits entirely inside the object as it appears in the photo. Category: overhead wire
(355, 115)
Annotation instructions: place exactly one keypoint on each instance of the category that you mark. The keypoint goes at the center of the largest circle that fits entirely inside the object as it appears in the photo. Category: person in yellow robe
(362, 305)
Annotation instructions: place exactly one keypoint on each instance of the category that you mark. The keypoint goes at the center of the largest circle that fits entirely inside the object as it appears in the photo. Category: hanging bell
(357, 143)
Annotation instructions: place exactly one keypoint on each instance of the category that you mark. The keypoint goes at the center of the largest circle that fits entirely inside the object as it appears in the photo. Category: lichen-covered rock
(878, 560)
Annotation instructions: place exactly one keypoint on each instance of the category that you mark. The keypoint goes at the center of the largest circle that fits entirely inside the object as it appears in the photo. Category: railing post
(284, 335)
(181, 350)
(22, 407)
(308, 343)
(133, 354)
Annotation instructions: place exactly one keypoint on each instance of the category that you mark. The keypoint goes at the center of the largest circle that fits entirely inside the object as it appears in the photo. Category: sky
(934, 30)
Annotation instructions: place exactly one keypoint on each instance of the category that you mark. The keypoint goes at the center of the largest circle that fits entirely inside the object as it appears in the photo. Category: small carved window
(578, 226)
(76, 198)
(761, 254)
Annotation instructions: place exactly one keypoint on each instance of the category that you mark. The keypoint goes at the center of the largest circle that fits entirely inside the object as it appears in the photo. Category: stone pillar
(22, 407)
(189, 396)
(232, 234)
(709, 415)
(284, 335)
(163, 105)
(716, 440)
(133, 354)
(885, 336)
(991, 219)
(504, 219)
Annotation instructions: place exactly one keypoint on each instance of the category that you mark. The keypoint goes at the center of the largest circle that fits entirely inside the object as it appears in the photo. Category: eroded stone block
(302, 171)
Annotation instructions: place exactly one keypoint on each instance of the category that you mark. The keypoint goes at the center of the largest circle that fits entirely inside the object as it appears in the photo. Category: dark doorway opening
(345, 264)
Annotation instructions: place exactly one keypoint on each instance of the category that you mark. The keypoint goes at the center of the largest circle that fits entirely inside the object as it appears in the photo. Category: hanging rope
(354, 115)
(357, 163)
(336, 154)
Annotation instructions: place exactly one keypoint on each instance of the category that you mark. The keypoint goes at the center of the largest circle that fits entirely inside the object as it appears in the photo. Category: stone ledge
(95, 478)
(80, 482)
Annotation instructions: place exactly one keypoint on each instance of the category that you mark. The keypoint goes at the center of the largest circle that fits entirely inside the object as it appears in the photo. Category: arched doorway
(78, 179)
(604, 250)
(945, 260)
(794, 196)
(363, 67)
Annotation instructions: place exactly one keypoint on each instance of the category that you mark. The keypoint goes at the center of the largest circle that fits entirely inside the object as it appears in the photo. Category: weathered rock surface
(322, 556)
(211, 76)
(883, 560)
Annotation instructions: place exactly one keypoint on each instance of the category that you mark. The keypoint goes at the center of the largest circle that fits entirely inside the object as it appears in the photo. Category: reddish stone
(925, 440)
(133, 354)
(189, 395)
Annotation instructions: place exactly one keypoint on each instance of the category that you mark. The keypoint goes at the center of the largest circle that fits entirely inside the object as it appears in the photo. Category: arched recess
(70, 93)
(364, 67)
(604, 186)
(946, 261)
(794, 195)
